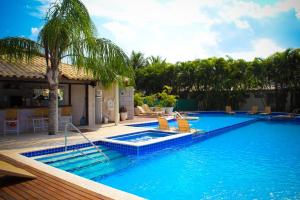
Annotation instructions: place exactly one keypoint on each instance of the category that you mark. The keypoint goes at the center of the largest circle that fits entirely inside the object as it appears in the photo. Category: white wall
(108, 94)
(126, 99)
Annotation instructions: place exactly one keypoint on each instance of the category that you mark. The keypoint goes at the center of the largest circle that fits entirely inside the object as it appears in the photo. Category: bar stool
(40, 119)
(11, 122)
(65, 116)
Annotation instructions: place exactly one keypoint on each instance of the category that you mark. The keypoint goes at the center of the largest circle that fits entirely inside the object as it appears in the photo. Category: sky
(178, 30)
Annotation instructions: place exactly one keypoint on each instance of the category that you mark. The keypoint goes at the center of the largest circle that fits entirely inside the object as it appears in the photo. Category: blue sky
(178, 30)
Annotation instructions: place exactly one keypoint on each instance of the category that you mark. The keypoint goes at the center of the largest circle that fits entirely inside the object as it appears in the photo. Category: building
(24, 86)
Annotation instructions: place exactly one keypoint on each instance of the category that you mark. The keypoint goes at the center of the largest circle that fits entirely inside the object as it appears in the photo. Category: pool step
(98, 170)
(68, 154)
(83, 161)
(92, 165)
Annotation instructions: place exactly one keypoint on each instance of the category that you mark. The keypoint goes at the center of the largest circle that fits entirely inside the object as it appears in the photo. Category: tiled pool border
(140, 149)
(147, 148)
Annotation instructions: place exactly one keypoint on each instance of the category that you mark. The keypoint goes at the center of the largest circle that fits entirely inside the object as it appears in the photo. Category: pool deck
(44, 186)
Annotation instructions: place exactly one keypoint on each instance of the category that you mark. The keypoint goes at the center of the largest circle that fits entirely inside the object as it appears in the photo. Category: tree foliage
(216, 82)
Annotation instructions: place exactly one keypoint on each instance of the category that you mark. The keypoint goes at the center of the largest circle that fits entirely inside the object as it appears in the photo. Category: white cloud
(181, 29)
(35, 32)
(262, 48)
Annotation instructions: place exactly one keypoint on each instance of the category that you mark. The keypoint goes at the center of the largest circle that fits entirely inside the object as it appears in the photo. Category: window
(29, 95)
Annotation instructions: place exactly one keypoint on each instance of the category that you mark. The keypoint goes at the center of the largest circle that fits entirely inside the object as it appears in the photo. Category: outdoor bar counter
(24, 118)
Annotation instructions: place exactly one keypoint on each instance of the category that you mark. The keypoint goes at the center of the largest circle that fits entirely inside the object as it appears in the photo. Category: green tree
(69, 33)
(137, 60)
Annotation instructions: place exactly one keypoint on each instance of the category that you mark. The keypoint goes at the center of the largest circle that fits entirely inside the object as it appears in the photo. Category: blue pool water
(207, 122)
(140, 136)
(259, 161)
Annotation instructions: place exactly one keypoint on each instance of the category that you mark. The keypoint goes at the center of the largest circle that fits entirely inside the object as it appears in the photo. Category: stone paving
(37, 140)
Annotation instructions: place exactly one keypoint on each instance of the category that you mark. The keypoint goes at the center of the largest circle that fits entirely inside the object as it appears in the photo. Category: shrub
(166, 98)
(150, 100)
(138, 99)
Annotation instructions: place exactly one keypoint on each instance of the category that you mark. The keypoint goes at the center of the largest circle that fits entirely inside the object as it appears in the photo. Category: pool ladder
(87, 139)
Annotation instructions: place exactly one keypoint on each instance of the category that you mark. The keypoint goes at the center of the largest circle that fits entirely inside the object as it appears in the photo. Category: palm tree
(137, 60)
(69, 34)
(153, 60)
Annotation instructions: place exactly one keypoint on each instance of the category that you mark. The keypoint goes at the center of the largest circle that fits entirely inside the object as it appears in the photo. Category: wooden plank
(67, 187)
(45, 191)
(59, 183)
(45, 186)
(5, 196)
(12, 193)
(37, 192)
(21, 191)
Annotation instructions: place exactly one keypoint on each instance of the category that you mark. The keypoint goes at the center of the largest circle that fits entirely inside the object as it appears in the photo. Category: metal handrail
(78, 131)
(178, 114)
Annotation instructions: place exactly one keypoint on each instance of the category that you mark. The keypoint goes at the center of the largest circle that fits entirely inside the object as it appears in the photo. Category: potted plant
(170, 102)
(167, 101)
(123, 113)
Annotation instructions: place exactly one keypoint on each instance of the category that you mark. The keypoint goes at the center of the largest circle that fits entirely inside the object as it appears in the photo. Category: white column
(91, 105)
(117, 115)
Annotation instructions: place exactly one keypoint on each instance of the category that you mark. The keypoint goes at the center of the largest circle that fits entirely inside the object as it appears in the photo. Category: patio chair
(163, 124)
(184, 127)
(40, 119)
(267, 111)
(228, 110)
(11, 122)
(141, 110)
(254, 110)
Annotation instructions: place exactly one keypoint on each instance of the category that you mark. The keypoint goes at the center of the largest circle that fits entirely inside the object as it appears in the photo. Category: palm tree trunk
(53, 110)
(52, 75)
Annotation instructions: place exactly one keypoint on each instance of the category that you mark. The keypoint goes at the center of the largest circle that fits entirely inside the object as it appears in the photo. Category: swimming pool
(140, 136)
(260, 160)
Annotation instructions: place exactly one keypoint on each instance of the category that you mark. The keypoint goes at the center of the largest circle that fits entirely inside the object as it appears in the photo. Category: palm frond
(112, 64)
(19, 48)
(68, 24)
(69, 32)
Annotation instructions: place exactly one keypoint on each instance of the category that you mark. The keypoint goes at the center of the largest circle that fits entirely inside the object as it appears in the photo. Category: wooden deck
(45, 186)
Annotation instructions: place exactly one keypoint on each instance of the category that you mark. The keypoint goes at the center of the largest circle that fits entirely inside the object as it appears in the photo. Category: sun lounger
(147, 110)
(253, 111)
(178, 115)
(228, 110)
(184, 127)
(267, 111)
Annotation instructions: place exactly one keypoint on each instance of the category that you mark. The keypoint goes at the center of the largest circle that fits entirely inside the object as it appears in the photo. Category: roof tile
(36, 68)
